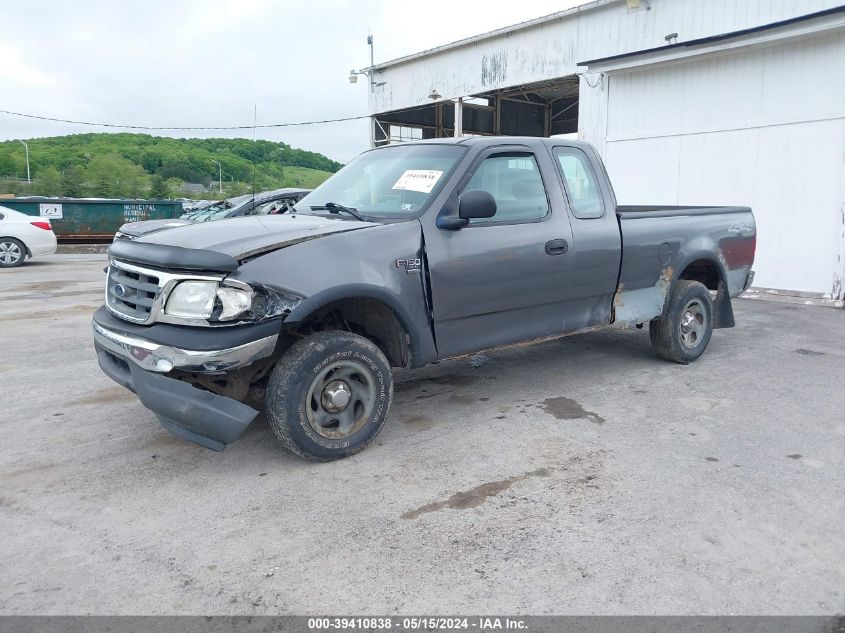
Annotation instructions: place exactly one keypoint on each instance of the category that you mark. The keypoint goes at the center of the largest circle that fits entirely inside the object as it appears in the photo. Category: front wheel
(329, 395)
(682, 333)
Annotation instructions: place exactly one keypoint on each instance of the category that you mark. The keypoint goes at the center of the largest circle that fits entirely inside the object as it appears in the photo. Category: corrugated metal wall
(762, 127)
(553, 48)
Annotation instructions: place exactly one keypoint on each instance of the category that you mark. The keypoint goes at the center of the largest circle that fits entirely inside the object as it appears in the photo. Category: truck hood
(249, 236)
(145, 227)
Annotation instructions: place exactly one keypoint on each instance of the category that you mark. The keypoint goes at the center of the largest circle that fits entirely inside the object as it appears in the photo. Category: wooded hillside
(139, 165)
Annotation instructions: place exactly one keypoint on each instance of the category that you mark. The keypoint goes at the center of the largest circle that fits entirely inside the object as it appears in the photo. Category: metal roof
(716, 38)
(520, 26)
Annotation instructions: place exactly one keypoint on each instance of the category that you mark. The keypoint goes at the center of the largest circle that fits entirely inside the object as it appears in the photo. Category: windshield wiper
(334, 207)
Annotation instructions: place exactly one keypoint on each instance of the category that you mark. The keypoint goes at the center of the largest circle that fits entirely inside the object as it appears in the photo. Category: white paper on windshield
(422, 180)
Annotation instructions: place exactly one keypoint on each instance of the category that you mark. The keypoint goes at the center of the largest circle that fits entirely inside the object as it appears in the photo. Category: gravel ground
(581, 475)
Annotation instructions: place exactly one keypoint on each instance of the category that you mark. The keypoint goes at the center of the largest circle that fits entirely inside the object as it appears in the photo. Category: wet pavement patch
(449, 380)
(795, 456)
(49, 314)
(105, 396)
(417, 422)
(568, 409)
(462, 398)
(93, 292)
(809, 352)
(453, 380)
(711, 459)
(475, 496)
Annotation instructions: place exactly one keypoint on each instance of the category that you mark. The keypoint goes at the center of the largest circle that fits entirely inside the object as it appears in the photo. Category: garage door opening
(546, 108)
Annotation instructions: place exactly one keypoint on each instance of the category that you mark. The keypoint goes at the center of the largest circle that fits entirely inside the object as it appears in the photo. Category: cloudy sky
(206, 62)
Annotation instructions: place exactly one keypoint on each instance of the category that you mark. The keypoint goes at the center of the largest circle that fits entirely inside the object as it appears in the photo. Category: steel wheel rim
(693, 324)
(10, 253)
(348, 419)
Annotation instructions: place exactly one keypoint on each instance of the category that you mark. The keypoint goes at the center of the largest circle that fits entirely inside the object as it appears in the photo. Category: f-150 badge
(411, 265)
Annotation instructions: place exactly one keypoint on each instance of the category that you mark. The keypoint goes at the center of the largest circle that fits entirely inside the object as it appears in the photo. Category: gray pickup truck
(410, 254)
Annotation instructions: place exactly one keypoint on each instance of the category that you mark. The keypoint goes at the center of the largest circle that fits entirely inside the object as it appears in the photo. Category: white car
(23, 236)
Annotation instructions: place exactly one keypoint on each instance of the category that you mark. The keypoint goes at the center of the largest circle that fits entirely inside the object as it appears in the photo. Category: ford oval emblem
(120, 290)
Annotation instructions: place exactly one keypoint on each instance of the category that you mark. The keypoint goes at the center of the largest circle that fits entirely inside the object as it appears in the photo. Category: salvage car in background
(410, 254)
(264, 203)
(23, 236)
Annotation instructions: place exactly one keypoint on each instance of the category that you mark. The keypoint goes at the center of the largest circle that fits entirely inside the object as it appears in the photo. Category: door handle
(556, 247)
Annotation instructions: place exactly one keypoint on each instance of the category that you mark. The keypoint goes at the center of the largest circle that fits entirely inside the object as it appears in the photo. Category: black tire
(682, 333)
(303, 419)
(9, 247)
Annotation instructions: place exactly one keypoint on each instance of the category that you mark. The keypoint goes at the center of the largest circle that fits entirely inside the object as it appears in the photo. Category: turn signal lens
(234, 302)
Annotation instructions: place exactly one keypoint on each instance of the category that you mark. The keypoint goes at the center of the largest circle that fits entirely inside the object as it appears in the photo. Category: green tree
(158, 188)
(7, 164)
(48, 182)
(73, 182)
(174, 186)
(113, 176)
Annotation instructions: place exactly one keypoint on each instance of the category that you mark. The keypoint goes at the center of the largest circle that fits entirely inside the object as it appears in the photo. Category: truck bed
(713, 245)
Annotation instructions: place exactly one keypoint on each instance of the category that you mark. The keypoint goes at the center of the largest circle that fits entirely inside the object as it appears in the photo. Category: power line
(182, 128)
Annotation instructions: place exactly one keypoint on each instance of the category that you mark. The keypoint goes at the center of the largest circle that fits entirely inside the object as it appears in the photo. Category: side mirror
(476, 204)
(471, 204)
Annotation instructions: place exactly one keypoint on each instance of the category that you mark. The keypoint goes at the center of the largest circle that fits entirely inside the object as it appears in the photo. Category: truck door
(595, 229)
(502, 279)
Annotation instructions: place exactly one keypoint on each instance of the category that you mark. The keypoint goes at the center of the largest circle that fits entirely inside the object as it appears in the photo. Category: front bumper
(194, 414)
(161, 358)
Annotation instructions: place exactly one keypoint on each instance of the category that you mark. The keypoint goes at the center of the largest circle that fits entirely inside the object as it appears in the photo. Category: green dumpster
(84, 219)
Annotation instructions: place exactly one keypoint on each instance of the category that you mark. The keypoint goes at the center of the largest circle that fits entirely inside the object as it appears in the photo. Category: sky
(209, 62)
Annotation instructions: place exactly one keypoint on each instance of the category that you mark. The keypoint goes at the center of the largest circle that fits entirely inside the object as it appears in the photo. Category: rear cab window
(581, 184)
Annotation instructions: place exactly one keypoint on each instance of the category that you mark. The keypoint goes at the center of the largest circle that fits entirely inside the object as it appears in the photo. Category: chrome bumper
(162, 358)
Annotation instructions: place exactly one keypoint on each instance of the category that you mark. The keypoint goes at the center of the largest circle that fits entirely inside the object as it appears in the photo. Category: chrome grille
(131, 293)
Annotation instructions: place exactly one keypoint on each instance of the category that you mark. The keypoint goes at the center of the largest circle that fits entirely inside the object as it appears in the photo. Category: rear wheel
(329, 395)
(682, 333)
(12, 252)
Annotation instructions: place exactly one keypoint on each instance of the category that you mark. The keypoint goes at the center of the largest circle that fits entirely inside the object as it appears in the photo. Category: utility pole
(372, 63)
(220, 176)
(370, 76)
(26, 147)
(353, 78)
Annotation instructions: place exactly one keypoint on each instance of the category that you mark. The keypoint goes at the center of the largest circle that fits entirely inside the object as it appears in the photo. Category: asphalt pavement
(582, 475)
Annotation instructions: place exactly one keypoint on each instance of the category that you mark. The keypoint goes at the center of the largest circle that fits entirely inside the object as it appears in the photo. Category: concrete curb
(81, 249)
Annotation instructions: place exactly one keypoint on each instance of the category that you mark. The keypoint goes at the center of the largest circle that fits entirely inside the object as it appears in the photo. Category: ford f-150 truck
(411, 253)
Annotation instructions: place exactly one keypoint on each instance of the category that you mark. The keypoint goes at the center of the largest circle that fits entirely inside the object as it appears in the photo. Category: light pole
(26, 147)
(353, 78)
(220, 177)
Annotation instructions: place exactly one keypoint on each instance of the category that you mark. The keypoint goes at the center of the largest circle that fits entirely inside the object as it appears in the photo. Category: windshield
(222, 211)
(396, 181)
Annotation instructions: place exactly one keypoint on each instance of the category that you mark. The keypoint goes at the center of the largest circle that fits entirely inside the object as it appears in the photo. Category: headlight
(211, 301)
(192, 299)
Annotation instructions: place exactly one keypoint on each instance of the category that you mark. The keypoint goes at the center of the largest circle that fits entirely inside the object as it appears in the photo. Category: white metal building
(689, 102)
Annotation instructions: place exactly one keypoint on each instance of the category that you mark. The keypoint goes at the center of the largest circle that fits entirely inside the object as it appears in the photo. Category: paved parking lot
(581, 475)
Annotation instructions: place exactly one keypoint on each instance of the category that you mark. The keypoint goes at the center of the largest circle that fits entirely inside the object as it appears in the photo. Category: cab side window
(514, 180)
(581, 184)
